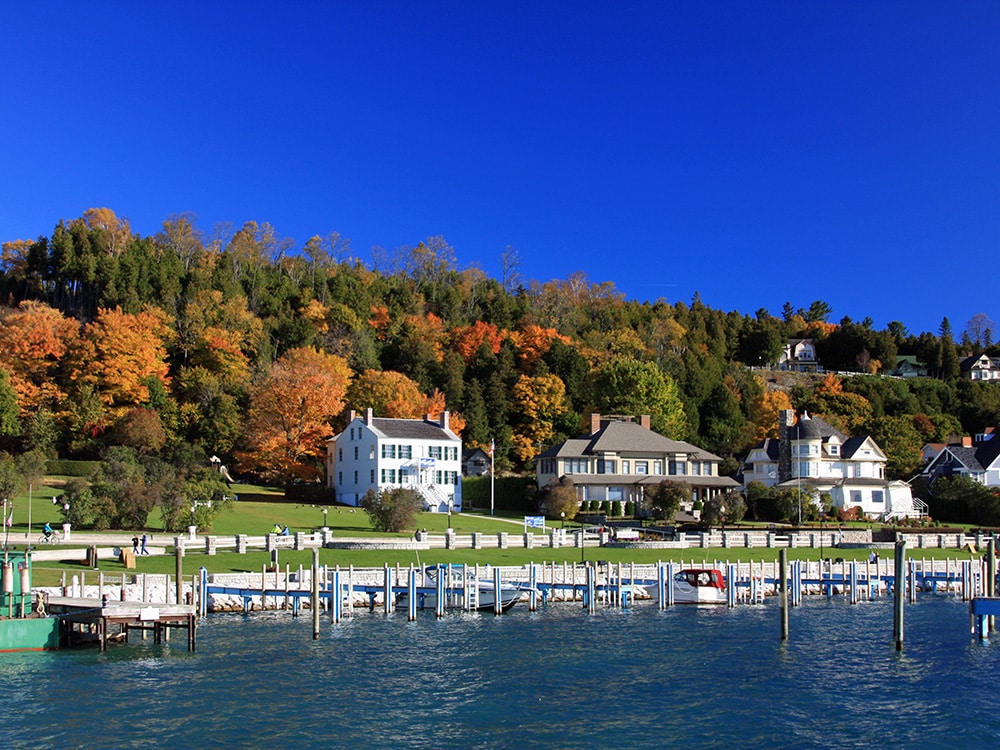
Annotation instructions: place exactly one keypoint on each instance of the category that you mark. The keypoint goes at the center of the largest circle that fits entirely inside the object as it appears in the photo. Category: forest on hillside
(243, 346)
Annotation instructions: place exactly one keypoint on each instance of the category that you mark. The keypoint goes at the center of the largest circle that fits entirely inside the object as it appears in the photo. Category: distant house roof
(626, 437)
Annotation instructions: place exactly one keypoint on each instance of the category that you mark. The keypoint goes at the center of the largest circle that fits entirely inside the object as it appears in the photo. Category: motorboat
(481, 593)
(695, 586)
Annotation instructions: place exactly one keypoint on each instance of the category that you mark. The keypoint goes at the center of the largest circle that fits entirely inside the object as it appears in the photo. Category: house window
(642, 467)
(856, 497)
(434, 451)
(626, 467)
(352, 433)
(388, 476)
(605, 466)
(615, 493)
(706, 469)
(575, 465)
(657, 467)
(451, 453)
(371, 453)
(834, 450)
(340, 477)
(340, 454)
(388, 450)
(372, 479)
(406, 451)
(355, 453)
(355, 477)
(877, 496)
(677, 468)
(696, 468)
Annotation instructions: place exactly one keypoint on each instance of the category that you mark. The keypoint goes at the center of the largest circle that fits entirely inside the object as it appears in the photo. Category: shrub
(616, 509)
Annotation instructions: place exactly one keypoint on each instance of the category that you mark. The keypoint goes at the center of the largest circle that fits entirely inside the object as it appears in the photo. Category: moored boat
(696, 586)
(481, 591)
(23, 626)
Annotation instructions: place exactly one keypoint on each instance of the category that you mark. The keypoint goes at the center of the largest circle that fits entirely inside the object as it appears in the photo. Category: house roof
(626, 437)
(407, 429)
(653, 479)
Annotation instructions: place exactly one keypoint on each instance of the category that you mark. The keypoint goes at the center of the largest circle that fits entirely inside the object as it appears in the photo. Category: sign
(149, 614)
(627, 535)
(534, 522)
(427, 463)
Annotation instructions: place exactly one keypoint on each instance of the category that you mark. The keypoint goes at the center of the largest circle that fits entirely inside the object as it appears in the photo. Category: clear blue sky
(755, 152)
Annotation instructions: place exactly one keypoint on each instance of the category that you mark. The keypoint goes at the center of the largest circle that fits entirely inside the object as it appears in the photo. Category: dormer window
(834, 450)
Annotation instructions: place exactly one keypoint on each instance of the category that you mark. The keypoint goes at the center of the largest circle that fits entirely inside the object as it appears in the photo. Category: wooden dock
(105, 620)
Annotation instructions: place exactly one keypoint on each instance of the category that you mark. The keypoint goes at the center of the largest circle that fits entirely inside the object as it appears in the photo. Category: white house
(980, 368)
(619, 459)
(800, 355)
(375, 454)
(980, 462)
(812, 455)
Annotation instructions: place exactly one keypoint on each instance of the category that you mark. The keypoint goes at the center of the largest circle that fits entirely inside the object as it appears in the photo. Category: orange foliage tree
(119, 352)
(388, 393)
(34, 338)
(533, 342)
(291, 413)
(762, 421)
(467, 339)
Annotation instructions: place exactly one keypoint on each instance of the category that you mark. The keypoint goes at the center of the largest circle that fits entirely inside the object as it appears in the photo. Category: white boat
(695, 586)
(481, 590)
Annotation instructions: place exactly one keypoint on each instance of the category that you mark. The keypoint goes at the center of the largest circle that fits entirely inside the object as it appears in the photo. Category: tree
(539, 402)
(387, 393)
(728, 506)
(290, 415)
(34, 339)
(392, 510)
(981, 331)
(11, 479)
(9, 423)
(665, 498)
(193, 497)
(628, 386)
(139, 428)
(123, 495)
(560, 500)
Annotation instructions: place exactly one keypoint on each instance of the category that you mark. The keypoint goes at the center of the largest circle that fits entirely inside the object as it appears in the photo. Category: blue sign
(534, 522)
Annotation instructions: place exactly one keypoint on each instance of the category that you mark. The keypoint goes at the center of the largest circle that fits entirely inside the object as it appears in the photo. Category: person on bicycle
(47, 530)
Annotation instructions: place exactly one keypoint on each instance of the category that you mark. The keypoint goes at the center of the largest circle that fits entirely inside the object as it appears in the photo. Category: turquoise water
(557, 678)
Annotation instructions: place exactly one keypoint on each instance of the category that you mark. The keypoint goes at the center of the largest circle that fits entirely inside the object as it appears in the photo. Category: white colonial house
(376, 453)
(979, 461)
(620, 458)
(810, 454)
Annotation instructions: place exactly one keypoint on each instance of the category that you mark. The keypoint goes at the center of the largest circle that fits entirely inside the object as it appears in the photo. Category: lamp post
(722, 513)
(325, 511)
(450, 504)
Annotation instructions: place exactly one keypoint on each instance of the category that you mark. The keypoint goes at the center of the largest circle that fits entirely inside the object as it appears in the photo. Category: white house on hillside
(813, 455)
(376, 453)
(980, 462)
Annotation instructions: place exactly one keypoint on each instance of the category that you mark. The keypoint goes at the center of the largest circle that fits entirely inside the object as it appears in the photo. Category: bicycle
(54, 538)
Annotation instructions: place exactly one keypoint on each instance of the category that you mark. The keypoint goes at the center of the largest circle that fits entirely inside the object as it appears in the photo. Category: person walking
(135, 545)
(143, 550)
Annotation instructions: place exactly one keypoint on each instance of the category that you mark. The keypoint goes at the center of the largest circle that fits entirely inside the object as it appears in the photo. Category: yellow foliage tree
(540, 400)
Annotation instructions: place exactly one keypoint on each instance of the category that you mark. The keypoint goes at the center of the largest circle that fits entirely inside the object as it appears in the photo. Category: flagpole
(492, 452)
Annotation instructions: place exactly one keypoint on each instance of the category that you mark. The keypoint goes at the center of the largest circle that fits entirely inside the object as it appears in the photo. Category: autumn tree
(118, 352)
(290, 415)
(387, 393)
(560, 499)
(539, 402)
(34, 339)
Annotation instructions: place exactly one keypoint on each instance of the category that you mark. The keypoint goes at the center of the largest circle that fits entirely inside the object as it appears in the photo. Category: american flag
(492, 447)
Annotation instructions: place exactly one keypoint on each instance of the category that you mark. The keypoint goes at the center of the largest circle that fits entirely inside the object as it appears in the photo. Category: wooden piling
(991, 580)
(179, 555)
(783, 591)
(314, 593)
(898, 593)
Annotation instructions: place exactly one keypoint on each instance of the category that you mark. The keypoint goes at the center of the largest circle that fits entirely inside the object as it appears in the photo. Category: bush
(616, 508)
(392, 509)
(630, 508)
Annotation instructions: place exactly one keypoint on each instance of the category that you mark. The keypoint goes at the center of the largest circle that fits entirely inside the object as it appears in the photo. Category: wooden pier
(103, 620)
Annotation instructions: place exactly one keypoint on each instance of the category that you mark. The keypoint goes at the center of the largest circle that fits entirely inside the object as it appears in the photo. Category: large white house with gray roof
(378, 453)
(812, 455)
(619, 459)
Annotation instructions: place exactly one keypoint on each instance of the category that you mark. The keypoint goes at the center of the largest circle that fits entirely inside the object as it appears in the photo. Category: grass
(256, 518)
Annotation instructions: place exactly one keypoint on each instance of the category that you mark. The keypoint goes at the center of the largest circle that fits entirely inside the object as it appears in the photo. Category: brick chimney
(644, 420)
(445, 420)
(595, 424)
(786, 418)
(369, 416)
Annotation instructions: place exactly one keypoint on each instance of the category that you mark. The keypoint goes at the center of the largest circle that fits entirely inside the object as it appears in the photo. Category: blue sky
(755, 153)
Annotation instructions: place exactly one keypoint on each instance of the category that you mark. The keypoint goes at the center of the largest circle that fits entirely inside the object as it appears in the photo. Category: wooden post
(314, 593)
(898, 593)
(991, 579)
(783, 591)
(179, 555)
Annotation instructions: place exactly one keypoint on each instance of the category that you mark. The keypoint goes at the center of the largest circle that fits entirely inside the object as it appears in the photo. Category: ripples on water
(558, 678)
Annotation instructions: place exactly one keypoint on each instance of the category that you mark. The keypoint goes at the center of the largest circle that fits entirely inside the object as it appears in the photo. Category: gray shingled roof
(630, 437)
(411, 429)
